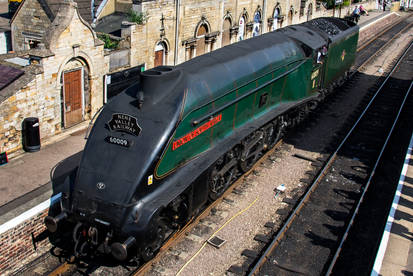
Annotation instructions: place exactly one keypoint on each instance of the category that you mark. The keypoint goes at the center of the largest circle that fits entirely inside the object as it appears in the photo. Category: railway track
(314, 233)
(372, 48)
(71, 267)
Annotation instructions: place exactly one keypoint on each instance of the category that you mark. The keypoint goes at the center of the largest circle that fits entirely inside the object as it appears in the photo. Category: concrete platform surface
(395, 254)
(30, 171)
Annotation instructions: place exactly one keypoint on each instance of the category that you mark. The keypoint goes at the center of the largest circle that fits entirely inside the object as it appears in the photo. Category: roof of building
(51, 7)
(14, 76)
(111, 24)
(8, 75)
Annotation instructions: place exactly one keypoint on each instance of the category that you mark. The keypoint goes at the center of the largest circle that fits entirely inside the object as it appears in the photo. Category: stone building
(178, 30)
(69, 75)
(33, 18)
(61, 80)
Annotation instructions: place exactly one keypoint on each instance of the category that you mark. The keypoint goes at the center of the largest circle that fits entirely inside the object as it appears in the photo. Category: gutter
(178, 4)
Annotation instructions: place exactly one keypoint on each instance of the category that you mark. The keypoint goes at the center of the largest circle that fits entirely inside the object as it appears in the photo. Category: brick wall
(17, 247)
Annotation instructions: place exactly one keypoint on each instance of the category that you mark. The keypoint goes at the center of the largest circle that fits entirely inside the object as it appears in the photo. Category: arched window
(302, 7)
(256, 30)
(275, 19)
(160, 54)
(310, 11)
(226, 33)
(200, 35)
(241, 28)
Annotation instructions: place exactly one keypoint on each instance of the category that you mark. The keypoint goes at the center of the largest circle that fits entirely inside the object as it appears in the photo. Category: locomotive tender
(159, 151)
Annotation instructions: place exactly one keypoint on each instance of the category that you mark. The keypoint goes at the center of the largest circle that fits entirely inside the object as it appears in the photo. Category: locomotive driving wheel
(222, 174)
(253, 146)
(273, 132)
(158, 237)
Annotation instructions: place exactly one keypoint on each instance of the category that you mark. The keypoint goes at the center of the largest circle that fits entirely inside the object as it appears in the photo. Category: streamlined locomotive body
(159, 151)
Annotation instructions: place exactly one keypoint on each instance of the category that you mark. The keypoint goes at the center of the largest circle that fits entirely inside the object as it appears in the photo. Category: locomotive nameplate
(124, 123)
(193, 134)
(118, 141)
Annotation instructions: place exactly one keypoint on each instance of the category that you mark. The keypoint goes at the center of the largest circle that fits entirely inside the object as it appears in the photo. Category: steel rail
(321, 174)
(382, 47)
(336, 255)
(368, 42)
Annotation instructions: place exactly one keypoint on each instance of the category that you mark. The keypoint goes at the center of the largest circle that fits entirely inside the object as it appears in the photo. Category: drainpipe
(178, 4)
(264, 17)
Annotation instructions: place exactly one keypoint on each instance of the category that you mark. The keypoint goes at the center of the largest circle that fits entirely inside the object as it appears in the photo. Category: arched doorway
(302, 7)
(226, 33)
(241, 28)
(200, 35)
(160, 54)
(310, 11)
(290, 16)
(275, 16)
(257, 23)
(75, 93)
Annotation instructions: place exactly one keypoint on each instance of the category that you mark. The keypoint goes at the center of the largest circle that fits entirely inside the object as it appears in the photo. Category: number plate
(118, 141)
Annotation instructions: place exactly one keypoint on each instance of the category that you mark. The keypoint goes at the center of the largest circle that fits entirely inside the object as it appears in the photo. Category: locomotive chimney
(158, 81)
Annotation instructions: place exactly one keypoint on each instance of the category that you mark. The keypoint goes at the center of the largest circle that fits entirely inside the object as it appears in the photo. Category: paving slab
(30, 171)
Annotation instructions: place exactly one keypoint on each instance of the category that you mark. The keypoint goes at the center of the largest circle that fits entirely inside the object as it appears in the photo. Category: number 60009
(117, 141)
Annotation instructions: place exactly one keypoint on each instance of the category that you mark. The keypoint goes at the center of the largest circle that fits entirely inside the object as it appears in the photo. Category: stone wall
(77, 41)
(160, 27)
(35, 99)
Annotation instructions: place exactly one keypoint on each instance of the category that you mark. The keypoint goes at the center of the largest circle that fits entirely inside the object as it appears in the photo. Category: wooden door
(200, 44)
(226, 34)
(290, 17)
(158, 58)
(72, 98)
(200, 47)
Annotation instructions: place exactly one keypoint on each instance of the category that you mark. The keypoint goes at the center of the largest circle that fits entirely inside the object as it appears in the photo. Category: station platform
(395, 254)
(26, 180)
